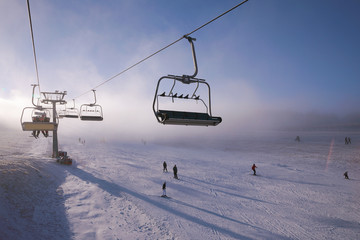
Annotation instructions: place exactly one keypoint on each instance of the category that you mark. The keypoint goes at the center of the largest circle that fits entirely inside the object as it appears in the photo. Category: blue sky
(267, 62)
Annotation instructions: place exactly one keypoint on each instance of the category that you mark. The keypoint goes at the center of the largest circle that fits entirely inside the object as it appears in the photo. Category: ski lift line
(33, 44)
(132, 66)
(162, 49)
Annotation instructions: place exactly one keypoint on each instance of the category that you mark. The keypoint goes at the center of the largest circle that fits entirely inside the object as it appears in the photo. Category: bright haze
(270, 64)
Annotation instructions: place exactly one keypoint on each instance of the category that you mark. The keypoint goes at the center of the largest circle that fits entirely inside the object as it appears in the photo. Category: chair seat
(38, 126)
(187, 118)
(91, 118)
(71, 116)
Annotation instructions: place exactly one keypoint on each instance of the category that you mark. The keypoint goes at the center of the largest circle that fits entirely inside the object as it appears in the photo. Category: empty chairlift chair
(91, 112)
(71, 112)
(61, 113)
(172, 117)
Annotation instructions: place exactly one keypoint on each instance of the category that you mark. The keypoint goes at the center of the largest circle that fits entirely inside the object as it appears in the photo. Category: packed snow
(113, 189)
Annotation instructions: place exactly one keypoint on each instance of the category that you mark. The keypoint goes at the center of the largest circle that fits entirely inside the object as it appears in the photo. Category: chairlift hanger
(171, 117)
(91, 111)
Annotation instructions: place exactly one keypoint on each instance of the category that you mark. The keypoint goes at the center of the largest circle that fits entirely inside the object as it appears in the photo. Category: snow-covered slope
(113, 190)
(31, 203)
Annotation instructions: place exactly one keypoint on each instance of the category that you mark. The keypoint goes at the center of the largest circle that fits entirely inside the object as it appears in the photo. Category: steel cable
(33, 44)
(162, 49)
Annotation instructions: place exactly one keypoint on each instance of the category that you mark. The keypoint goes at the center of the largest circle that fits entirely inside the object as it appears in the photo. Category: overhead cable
(162, 49)
(33, 44)
(214, 19)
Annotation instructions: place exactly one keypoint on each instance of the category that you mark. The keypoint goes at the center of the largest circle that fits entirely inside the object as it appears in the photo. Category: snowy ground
(113, 191)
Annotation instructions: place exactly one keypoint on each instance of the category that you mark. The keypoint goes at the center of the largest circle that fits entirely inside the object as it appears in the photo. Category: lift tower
(54, 98)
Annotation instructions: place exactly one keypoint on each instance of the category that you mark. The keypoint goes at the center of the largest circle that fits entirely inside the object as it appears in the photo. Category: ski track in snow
(112, 191)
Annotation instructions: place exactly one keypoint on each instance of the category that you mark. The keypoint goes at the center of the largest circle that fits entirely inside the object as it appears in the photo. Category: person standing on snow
(253, 168)
(165, 167)
(164, 189)
(175, 172)
(346, 175)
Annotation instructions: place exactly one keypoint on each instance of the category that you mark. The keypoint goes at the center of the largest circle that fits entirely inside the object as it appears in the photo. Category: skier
(164, 189)
(349, 140)
(165, 167)
(175, 172)
(346, 175)
(253, 168)
(346, 140)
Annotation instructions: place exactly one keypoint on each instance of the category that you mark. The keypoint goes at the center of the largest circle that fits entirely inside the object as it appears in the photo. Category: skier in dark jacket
(165, 167)
(175, 172)
(164, 189)
(253, 168)
(346, 175)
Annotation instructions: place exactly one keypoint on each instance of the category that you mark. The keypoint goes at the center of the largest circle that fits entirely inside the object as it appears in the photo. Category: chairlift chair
(71, 112)
(91, 112)
(40, 120)
(61, 113)
(37, 118)
(68, 113)
(171, 117)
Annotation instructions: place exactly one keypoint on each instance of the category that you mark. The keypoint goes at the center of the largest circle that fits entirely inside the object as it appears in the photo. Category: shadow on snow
(31, 199)
(117, 190)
